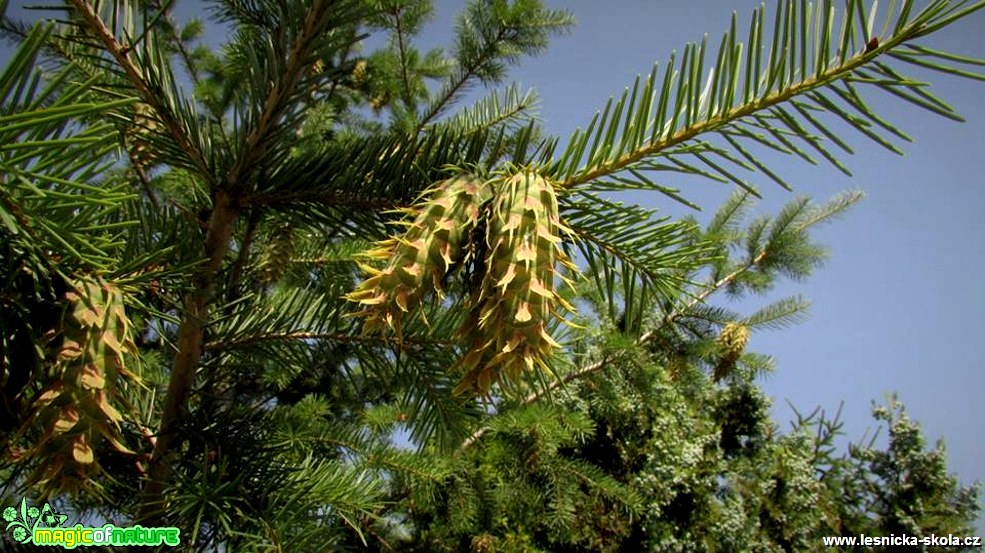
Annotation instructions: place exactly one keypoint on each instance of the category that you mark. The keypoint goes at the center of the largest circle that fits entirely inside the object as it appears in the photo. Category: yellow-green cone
(277, 257)
(136, 136)
(508, 328)
(76, 409)
(419, 259)
(732, 344)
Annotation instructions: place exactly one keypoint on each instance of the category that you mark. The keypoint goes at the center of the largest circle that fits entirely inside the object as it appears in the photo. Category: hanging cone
(511, 311)
(76, 408)
(276, 258)
(136, 134)
(732, 344)
(418, 260)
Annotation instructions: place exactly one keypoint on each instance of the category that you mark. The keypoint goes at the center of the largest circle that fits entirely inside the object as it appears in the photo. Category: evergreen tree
(220, 305)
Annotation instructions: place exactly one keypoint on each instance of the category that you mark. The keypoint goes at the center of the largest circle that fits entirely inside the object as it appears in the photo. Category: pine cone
(516, 300)
(419, 259)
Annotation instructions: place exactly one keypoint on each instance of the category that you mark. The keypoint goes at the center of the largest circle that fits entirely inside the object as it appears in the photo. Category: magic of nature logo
(43, 526)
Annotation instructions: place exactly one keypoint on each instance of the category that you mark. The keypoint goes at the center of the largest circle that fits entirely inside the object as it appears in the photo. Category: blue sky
(899, 307)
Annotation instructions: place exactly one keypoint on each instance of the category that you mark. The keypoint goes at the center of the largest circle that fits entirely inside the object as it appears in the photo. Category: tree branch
(191, 334)
(244, 248)
(644, 339)
(251, 339)
(277, 100)
(186, 56)
(327, 199)
(732, 115)
(402, 52)
(226, 206)
(153, 98)
(488, 54)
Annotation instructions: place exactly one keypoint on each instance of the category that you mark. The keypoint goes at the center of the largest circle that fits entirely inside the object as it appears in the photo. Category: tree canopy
(287, 295)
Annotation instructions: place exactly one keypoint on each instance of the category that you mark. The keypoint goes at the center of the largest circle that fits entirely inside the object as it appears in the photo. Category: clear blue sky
(899, 307)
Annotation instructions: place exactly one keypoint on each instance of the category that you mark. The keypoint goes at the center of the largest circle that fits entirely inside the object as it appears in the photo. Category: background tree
(187, 317)
(670, 446)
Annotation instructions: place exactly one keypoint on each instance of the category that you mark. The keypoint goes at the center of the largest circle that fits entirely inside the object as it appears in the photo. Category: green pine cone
(419, 259)
(514, 305)
(76, 408)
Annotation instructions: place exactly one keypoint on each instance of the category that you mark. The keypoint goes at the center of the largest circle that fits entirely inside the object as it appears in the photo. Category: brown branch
(122, 55)
(182, 49)
(244, 248)
(324, 199)
(487, 55)
(191, 333)
(402, 51)
(644, 339)
(226, 207)
(276, 101)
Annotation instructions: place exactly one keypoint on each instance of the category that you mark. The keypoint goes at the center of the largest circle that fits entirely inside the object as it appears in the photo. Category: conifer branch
(191, 334)
(154, 99)
(408, 97)
(450, 92)
(493, 111)
(225, 211)
(244, 248)
(505, 116)
(654, 124)
(720, 121)
(186, 56)
(245, 341)
(644, 339)
(322, 199)
(279, 96)
(491, 33)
